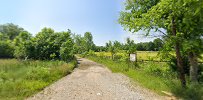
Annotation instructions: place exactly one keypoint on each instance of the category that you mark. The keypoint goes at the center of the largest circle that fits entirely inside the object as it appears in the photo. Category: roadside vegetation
(172, 62)
(30, 63)
(179, 23)
(156, 69)
(21, 79)
(159, 77)
(141, 55)
(157, 66)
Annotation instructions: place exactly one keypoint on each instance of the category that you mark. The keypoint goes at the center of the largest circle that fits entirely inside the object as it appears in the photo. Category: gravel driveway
(92, 81)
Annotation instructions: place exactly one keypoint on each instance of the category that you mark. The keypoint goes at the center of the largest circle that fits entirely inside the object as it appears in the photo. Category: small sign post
(133, 57)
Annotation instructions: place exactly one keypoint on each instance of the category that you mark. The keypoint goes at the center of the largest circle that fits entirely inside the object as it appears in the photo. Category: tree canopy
(182, 20)
(10, 30)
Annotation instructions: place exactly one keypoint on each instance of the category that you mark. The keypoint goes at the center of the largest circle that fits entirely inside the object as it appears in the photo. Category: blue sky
(96, 16)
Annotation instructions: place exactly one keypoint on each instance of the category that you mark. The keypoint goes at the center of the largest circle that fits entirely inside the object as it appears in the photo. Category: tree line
(46, 45)
(155, 45)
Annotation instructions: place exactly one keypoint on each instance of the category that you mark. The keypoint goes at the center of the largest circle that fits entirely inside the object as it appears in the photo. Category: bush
(46, 45)
(6, 49)
(22, 45)
(191, 92)
(38, 73)
(91, 53)
(158, 69)
(117, 57)
(173, 64)
(66, 51)
(125, 58)
(201, 73)
(4, 76)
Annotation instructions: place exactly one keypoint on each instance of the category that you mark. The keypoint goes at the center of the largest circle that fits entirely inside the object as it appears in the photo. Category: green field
(141, 55)
(20, 79)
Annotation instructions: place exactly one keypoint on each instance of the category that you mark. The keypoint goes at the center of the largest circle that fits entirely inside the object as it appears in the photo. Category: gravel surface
(92, 81)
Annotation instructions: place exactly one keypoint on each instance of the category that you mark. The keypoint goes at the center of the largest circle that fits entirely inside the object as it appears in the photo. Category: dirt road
(92, 81)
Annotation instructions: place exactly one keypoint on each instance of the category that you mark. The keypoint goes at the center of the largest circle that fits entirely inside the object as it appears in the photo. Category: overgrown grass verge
(20, 79)
(155, 76)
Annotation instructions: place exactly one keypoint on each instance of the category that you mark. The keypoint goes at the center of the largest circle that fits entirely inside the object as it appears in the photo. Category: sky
(96, 16)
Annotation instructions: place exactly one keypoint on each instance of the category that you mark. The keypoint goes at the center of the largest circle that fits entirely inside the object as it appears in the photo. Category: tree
(89, 44)
(111, 49)
(23, 45)
(66, 50)
(117, 45)
(131, 46)
(140, 47)
(79, 43)
(153, 15)
(150, 46)
(10, 30)
(6, 49)
(100, 48)
(7, 33)
(53, 45)
(191, 31)
(44, 44)
(158, 44)
(3, 37)
(186, 23)
(66, 47)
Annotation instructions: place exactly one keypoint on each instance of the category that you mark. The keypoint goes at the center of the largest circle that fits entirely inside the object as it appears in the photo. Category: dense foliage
(7, 33)
(131, 46)
(6, 49)
(10, 30)
(53, 45)
(84, 44)
(22, 78)
(46, 45)
(182, 20)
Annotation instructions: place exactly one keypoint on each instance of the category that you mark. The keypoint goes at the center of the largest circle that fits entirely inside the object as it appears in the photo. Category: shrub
(191, 92)
(91, 53)
(66, 51)
(4, 76)
(201, 73)
(117, 57)
(173, 64)
(6, 49)
(38, 73)
(22, 45)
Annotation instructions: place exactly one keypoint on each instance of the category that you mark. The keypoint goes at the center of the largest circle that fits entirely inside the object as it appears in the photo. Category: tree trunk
(178, 56)
(193, 67)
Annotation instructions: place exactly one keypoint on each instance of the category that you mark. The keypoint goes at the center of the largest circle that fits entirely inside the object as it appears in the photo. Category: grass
(142, 76)
(141, 55)
(155, 76)
(20, 79)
